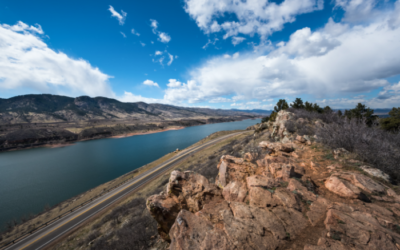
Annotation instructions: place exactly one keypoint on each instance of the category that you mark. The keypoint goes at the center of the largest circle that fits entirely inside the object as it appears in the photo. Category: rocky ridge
(280, 197)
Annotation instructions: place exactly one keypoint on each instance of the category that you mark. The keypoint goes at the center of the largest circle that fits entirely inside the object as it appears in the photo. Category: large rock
(277, 146)
(164, 210)
(342, 188)
(185, 190)
(358, 228)
(363, 182)
(376, 172)
(282, 171)
(235, 191)
(296, 186)
(233, 169)
(195, 232)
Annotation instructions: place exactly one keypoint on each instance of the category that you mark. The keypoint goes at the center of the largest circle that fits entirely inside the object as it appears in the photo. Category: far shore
(145, 133)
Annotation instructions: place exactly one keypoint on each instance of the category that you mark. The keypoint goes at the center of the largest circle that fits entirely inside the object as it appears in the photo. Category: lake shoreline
(66, 143)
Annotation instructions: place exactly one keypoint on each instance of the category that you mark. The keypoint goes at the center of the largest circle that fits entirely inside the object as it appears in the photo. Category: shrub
(373, 145)
(290, 126)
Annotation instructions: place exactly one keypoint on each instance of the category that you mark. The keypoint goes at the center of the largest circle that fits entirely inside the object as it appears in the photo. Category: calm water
(32, 178)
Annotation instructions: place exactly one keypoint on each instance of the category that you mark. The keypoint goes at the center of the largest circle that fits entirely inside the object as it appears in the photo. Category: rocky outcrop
(274, 200)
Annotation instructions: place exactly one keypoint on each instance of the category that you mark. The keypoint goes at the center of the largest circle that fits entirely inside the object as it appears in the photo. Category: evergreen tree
(361, 112)
(328, 110)
(297, 104)
(281, 105)
(317, 108)
(391, 123)
(308, 106)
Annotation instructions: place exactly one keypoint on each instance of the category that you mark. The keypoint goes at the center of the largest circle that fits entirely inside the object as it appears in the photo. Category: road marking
(124, 188)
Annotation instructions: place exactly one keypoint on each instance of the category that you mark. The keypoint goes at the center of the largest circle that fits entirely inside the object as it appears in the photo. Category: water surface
(33, 178)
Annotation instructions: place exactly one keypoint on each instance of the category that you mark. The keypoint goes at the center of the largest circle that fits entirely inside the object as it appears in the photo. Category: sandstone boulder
(235, 191)
(342, 188)
(300, 139)
(296, 186)
(233, 169)
(365, 183)
(376, 172)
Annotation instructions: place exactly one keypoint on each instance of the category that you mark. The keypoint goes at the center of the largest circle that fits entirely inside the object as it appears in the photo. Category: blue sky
(205, 53)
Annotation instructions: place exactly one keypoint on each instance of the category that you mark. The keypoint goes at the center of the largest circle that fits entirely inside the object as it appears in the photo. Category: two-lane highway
(57, 229)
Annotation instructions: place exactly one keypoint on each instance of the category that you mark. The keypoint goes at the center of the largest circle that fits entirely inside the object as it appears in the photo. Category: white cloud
(120, 17)
(134, 32)
(151, 83)
(256, 16)
(159, 57)
(234, 56)
(220, 100)
(210, 42)
(123, 34)
(26, 62)
(154, 25)
(337, 59)
(236, 40)
(22, 27)
(143, 44)
(171, 59)
(130, 97)
(173, 83)
(162, 36)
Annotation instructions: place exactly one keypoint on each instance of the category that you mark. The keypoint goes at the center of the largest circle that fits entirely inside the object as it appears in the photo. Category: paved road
(52, 232)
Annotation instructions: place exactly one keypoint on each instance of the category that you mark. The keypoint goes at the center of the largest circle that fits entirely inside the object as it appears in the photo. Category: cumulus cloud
(338, 59)
(120, 17)
(173, 83)
(151, 83)
(123, 34)
(162, 36)
(143, 44)
(26, 62)
(256, 16)
(130, 97)
(135, 32)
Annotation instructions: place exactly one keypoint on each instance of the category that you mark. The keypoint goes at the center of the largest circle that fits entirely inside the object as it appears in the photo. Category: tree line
(360, 112)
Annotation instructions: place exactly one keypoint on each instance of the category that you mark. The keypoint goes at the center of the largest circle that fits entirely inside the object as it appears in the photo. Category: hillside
(37, 120)
(53, 108)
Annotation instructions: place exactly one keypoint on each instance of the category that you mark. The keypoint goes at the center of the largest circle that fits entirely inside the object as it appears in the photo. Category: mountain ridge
(55, 108)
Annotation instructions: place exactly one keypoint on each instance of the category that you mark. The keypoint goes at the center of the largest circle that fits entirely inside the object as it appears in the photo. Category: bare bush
(290, 126)
(92, 236)
(330, 117)
(135, 234)
(304, 129)
(373, 145)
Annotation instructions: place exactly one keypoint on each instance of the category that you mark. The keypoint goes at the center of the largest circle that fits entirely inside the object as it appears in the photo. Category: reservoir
(30, 179)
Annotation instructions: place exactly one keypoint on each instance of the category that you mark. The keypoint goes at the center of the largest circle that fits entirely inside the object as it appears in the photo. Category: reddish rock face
(267, 205)
(342, 188)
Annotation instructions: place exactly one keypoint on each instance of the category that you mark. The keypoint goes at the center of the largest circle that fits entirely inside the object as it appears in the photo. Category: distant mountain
(53, 108)
(254, 111)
